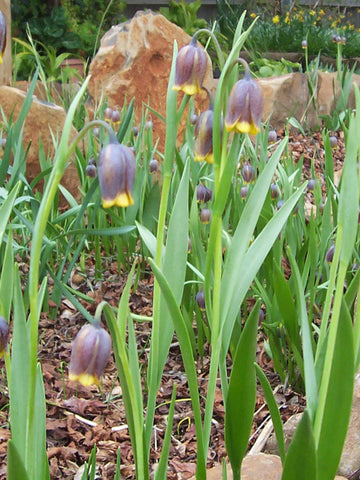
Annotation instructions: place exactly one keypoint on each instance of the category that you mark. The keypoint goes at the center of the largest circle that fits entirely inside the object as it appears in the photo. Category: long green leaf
(20, 371)
(186, 351)
(337, 409)
(274, 411)
(249, 264)
(300, 463)
(241, 397)
(6, 208)
(15, 466)
(311, 387)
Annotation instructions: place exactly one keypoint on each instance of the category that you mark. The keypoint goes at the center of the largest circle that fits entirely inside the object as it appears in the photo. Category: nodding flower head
(190, 69)
(245, 106)
(4, 335)
(116, 172)
(90, 353)
(203, 145)
(2, 36)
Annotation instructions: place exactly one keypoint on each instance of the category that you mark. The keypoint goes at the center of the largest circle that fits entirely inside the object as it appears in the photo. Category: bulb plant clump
(217, 218)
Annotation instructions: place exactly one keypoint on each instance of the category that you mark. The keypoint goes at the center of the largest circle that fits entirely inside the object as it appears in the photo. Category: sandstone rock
(5, 67)
(134, 60)
(254, 467)
(289, 429)
(289, 96)
(350, 459)
(42, 119)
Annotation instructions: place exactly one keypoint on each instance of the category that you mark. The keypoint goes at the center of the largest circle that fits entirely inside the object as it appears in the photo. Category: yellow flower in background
(287, 18)
(322, 13)
(351, 26)
(253, 15)
(312, 13)
(276, 19)
(333, 24)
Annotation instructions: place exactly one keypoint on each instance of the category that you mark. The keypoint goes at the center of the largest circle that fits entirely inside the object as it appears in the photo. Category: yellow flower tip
(85, 379)
(189, 89)
(209, 158)
(121, 200)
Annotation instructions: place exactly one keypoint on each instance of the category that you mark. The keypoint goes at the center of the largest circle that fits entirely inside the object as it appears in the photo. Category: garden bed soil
(79, 417)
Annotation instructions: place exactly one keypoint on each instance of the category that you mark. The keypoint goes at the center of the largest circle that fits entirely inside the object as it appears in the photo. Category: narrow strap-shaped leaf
(338, 403)
(15, 465)
(300, 463)
(186, 351)
(6, 208)
(161, 471)
(311, 388)
(274, 411)
(241, 397)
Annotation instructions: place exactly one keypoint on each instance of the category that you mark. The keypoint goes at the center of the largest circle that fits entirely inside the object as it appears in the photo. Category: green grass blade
(300, 460)
(241, 397)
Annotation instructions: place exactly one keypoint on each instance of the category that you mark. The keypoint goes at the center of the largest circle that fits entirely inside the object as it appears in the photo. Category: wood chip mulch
(79, 417)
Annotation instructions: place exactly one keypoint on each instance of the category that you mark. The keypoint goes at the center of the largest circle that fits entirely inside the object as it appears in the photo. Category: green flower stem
(63, 154)
(219, 52)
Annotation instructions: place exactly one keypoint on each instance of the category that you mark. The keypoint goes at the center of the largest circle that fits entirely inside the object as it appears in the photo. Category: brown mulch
(79, 417)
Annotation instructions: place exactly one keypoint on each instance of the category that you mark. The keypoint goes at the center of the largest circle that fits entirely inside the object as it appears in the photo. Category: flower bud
(90, 170)
(311, 185)
(200, 192)
(205, 216)
(4, 335)
(153, 165)
(248, 173)
(333, 141)
(190, 68)
(304, 44)
(107, 114)
(272, 136)
(274, 191)
(116, 171)
(245, 106)
(244, 191)
(90, 353)
(203, 145)
(200, 299)
(330, 253)
(115, 117)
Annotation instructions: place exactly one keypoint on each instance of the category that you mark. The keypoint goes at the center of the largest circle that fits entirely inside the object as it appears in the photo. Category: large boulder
(43, 120)
(290, 96)
(134, 61)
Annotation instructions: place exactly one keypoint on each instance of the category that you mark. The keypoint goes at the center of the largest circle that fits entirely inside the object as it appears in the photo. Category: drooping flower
(190, 69)
(4, 335)
(203, 145)
(245, 106)
(2, 36)
(116, 172)
(90, 353)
